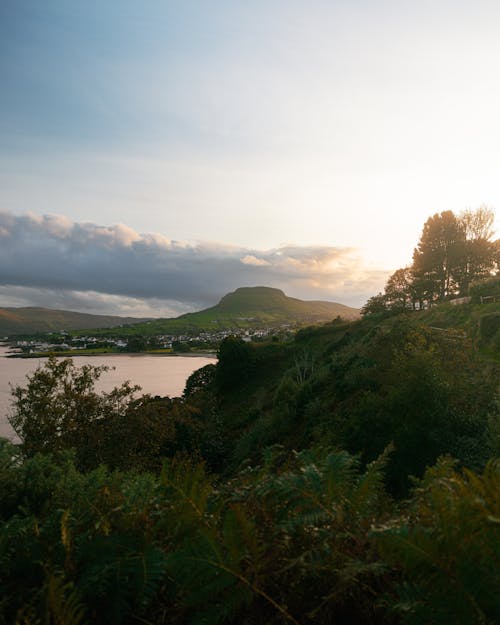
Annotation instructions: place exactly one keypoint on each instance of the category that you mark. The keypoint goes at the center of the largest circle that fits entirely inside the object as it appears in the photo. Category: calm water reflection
(158, 375)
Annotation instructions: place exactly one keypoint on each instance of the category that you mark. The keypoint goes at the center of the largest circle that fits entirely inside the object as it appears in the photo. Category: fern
(219, 566)
(187, 488)
(119, 575)
(63, 602)
(448, 546)
(324, 508)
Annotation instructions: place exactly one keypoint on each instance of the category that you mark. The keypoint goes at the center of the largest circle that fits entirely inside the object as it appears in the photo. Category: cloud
(253, 260)
(48, 260)
(91, 302)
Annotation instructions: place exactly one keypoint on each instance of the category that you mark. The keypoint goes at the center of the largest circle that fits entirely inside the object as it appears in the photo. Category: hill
(265, 304)
(421, 379)
(31, 320)
(258, 306)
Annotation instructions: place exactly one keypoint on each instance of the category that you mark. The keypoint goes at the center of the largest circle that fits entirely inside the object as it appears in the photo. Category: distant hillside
(247, 307)
(15, 321)
(266, 303)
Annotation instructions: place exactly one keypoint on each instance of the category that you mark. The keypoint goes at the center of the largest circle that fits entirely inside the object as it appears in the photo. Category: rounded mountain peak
(252, 298)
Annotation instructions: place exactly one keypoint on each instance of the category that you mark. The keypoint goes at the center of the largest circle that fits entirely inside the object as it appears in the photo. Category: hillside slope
(268, 304)
(426, 386)
(247, 307)
(15, 321)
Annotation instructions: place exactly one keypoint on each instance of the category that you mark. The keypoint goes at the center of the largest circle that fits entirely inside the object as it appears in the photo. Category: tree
(136, 344)
(478, 252)
(399, 295)
(236, 362)
(199, 381)
(398, 290)
(60, 406)
(375, 305)
(437, 256)
(452, 253)
(478, 224)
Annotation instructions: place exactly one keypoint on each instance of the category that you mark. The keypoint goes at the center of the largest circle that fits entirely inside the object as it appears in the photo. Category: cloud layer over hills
(51, 261)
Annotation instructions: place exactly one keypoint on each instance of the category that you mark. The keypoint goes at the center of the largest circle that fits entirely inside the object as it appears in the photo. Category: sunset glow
(330, 128)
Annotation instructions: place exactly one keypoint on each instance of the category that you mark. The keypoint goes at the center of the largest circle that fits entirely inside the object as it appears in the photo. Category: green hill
(31, 320)
(360, 385)
(264, 304)
(254, 307)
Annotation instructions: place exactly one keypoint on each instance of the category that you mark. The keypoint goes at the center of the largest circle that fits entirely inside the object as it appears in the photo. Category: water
(157, 375)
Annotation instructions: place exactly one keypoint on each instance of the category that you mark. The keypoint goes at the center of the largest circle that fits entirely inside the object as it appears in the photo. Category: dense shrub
(489, 287)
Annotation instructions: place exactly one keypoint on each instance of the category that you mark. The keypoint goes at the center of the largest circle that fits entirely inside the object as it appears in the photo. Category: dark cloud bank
(51, 261)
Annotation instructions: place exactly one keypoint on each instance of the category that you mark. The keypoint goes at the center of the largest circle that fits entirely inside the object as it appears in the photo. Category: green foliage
(426, 392)
(447, 545)
(280, 544)
(59, 409)
(488, 287)
(63, 602)
(59, 406)
(137, 344)
(437, 257)
(320, 504)
(289, 541)
(77, 544)
(453, 252)
(376, 305)
(200, 380)
(236, 360)
(489, 330)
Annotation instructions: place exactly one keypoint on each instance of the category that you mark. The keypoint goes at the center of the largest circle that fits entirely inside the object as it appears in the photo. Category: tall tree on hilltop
(478, 252)
(452, 253)
(436, 258)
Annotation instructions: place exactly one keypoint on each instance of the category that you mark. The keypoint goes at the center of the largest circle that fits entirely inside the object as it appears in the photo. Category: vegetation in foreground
(349, 476)
(275, 490)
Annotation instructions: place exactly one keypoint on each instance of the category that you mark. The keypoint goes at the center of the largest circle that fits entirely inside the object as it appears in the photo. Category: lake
(157, 375)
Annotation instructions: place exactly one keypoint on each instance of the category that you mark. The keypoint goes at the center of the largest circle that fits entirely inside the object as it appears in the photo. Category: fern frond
(447, 547)
(64, 603)
(187, 486)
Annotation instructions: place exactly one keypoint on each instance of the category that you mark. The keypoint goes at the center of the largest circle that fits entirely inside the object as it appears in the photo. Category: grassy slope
(470, 318)
(251, 402)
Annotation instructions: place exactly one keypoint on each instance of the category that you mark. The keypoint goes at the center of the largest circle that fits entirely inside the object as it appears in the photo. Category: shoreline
(110, 354)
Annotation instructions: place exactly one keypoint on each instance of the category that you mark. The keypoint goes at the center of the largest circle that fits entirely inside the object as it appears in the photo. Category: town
(66, 343)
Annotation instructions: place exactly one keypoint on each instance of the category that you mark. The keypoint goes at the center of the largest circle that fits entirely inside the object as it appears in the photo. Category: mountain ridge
(246, 306)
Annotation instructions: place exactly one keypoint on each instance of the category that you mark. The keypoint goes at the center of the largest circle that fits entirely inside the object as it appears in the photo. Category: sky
(156, 155)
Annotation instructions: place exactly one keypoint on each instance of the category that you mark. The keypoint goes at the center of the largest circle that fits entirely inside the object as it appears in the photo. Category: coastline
(111, 354)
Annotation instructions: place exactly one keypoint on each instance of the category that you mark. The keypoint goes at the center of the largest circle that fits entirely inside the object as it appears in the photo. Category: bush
(485, 288)
(447, 545)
